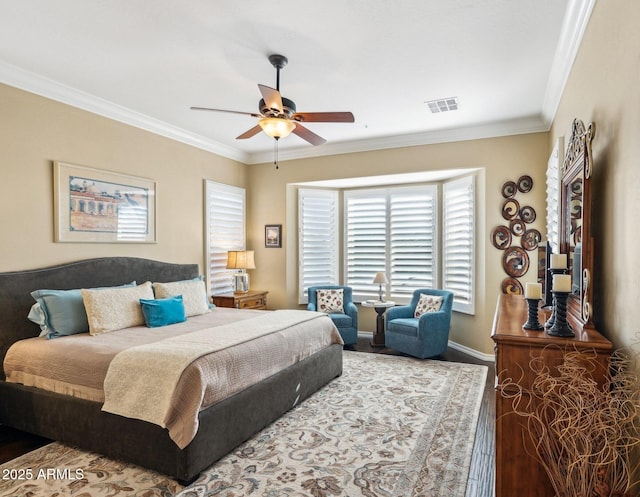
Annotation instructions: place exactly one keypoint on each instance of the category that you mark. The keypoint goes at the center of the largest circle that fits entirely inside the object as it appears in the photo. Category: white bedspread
(141, 381)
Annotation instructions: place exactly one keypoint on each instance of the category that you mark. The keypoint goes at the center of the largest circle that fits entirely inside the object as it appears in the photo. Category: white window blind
(366, 240)
(317, 239)
(459, 241)
(412, 240)
(391, 230)
(225, 230)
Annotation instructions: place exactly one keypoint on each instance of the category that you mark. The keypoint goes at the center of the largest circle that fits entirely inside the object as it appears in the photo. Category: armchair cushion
(341, 320)
(427, 303)
(406, 326)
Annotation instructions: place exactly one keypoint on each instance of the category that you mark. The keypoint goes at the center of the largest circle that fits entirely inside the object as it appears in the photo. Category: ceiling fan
(278, 117)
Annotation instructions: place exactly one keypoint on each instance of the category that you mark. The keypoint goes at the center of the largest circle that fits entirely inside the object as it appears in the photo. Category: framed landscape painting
(92, 205)
(273, 235)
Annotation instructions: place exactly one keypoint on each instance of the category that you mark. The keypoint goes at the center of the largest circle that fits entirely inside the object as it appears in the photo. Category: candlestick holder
(560, 326)
(548, 294)
(532, 316)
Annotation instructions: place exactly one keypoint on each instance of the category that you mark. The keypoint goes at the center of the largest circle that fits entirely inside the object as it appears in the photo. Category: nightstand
(253, 299)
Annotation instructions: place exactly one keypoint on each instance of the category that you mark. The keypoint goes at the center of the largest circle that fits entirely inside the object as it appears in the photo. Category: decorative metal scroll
(515, 259)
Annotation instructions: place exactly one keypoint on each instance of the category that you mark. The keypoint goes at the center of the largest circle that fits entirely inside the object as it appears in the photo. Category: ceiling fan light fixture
(277, 127)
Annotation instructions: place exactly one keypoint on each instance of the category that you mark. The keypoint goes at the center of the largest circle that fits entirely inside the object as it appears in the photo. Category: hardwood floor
(14, 443)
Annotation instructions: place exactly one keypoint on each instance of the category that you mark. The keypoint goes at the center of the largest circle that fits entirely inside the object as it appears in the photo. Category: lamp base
(240, 283)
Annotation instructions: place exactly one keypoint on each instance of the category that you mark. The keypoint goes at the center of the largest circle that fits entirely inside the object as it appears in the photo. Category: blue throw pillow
(60, 312)
(162, 312)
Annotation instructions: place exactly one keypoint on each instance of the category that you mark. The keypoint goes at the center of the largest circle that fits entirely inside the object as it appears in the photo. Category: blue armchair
(347, 321)
(426, 336)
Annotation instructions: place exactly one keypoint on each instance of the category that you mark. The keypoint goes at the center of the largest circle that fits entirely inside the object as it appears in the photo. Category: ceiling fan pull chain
(275, 160)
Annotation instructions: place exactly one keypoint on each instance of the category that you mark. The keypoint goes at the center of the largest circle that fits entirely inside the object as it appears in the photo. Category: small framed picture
(273, 235)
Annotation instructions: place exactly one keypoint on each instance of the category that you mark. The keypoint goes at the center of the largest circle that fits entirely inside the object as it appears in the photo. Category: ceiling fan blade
(248, 134)
(323, 117)
(307, 134)
(272, 98)
(252, 114)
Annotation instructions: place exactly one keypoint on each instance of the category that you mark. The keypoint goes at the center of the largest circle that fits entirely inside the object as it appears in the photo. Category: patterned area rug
(389, 426)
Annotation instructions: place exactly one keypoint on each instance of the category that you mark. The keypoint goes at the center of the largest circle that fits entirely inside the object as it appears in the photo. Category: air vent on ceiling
(443, 105)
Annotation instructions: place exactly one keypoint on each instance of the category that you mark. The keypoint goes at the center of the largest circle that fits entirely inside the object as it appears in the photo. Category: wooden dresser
(253, 299)
(518, 473)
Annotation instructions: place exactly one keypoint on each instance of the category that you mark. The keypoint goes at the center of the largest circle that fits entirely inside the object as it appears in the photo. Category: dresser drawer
(250, 300)
(253, 302)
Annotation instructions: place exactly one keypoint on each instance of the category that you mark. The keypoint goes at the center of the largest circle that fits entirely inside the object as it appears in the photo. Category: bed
(82, 422)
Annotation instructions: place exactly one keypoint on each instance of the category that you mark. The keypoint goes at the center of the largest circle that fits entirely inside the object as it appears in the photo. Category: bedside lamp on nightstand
(240, 260)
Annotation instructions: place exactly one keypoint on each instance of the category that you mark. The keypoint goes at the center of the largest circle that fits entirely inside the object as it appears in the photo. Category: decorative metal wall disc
(509, 189)
(515, 262)
(528, 214)
(525, 184)
(501, 237)
(512, 286)
(531, 239)
(510, 208)
(517, 227)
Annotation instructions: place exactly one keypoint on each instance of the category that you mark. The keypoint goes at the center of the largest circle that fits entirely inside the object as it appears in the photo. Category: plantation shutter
(412, 240)
(458, 242)
(317, 239)
(366, 240)
(225, 226)
(393, 231)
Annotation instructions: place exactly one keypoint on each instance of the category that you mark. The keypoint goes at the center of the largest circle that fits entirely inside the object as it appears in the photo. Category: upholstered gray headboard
(16, 287)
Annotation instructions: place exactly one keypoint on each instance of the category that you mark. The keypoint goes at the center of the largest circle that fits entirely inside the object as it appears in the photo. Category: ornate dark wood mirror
(575, 221)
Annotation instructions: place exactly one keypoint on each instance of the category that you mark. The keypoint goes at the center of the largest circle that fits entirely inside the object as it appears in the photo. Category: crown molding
(533, 124)
(574, 25)
(45, 87)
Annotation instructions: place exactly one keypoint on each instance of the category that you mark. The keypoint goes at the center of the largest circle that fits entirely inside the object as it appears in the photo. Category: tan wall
(35, 131)
(604, 87)
(273, 202)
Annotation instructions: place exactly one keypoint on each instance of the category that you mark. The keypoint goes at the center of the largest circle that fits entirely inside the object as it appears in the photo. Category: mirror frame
(577, 165)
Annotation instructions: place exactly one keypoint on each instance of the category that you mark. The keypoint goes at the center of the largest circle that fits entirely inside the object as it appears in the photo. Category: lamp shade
(381, 279)
(240, 259)
(277, 127)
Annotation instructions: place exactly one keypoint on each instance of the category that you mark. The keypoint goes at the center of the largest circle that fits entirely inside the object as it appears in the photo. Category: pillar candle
(562, 283)
(558, 261)
(533, 291)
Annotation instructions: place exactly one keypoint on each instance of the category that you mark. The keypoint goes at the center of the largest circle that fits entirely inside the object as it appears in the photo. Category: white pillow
(330, 300)
(427, 303)
(194, 294)
(111, 309)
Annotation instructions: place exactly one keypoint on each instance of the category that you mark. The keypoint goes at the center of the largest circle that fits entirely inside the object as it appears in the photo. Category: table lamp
(240, 260)
(380, 279)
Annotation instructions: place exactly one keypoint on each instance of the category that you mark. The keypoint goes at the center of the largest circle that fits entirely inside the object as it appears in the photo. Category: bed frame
(81, 423)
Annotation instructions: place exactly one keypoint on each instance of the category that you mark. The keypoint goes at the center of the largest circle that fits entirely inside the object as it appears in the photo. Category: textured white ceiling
(146, 62)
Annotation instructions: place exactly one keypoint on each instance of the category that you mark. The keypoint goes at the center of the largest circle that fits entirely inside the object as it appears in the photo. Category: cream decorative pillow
(427, 303)
(330, 300)
(194, 294)
(111, 309)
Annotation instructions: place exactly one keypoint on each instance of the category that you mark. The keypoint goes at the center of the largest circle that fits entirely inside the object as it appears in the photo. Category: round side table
(380, 306)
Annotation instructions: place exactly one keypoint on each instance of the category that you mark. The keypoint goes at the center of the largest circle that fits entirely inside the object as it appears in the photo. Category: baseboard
(472, 352)
(456, 346)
